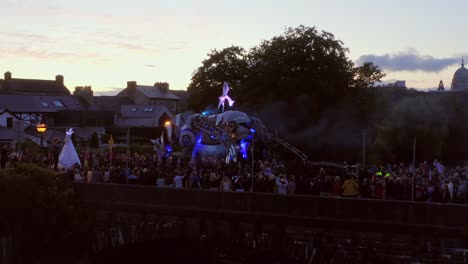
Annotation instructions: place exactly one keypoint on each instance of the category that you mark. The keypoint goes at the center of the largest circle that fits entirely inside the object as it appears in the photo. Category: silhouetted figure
(441, 86)
(4, 156)
(55, 149)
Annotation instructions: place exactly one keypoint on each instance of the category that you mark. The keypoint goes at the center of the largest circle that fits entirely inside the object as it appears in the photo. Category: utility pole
(364, 149)
(414, 168)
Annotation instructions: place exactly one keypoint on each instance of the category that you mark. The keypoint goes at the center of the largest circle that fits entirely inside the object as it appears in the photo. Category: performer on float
(68, 156)
(225, 96)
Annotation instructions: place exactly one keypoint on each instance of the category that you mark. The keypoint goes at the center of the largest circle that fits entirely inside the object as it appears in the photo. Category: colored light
(41, 127)
(167, 123)
(168, 151)
(244, 144)
(253, 131)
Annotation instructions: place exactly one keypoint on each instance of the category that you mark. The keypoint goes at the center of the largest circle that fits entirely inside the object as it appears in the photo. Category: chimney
(7, 76)
(131, 89)
(59, 79)
(85, 92)
(162, 85)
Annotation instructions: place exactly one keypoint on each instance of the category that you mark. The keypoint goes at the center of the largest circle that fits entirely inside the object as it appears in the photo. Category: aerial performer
(225, 96)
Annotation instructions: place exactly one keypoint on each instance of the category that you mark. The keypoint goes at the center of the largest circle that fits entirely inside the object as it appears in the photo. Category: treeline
(303, 85)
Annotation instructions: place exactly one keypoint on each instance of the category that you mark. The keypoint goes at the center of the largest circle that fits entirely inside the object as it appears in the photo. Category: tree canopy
(303, 85)
(301, 62)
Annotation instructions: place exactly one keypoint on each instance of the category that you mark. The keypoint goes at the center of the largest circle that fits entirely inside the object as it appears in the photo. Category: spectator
(4, 156)
(462, 192)
(445, 194)
(450, 188)
(169, 180)
(281, 184)
(214, 182)
(178, 181)
(161, 181)
(97, 175)
(365, 188)
(291, 189)
(336, 189)
(238, 184)
(132, 177)
(55, 149)
(194, 181)
(77, 176)
(350, 188)
(107, 176)
(225, 184)
(261, 184)
(380, 188)
(89, 175)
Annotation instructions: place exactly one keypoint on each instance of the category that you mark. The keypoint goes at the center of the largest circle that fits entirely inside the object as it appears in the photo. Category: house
(182, 104)
(144, 116)
(7, 136)
(33, 101)
(156, 95)
(11, 128)
(10, 85)
(8, 118)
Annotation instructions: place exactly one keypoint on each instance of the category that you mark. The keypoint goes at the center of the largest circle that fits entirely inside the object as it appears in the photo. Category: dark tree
(300, 62)
(422, 117)
(367, 75)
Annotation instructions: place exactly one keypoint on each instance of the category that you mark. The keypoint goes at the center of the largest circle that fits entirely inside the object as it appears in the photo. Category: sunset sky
(107, 43)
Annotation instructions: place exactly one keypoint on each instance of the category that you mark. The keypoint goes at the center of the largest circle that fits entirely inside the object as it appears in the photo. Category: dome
(460, 79)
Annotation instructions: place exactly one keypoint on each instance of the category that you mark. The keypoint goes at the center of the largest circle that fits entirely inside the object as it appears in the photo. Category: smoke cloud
(409, 60)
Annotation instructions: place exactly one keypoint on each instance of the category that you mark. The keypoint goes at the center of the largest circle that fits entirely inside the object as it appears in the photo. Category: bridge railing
(286, 206)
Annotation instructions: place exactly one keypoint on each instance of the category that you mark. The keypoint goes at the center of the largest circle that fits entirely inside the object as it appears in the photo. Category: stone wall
(303, 227)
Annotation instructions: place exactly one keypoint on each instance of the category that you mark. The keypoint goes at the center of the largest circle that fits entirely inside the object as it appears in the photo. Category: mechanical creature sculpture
(223, 135)
(217, 135)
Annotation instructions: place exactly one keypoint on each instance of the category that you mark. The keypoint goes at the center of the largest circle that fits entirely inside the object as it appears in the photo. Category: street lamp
(41, 128)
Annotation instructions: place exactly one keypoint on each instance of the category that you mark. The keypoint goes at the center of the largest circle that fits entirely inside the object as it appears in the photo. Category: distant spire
(463, 64)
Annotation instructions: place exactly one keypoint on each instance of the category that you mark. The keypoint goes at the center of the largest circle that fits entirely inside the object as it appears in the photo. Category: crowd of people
(432, 181)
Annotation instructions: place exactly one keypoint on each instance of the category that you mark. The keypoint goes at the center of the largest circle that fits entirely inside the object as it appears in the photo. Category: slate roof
(182, 94)
(11, 113)
(32, 86)
(38, 103)
(109, 103)
(152, 92)
(149, 111)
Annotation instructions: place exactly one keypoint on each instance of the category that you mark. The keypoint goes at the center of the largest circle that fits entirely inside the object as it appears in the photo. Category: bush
(38, 211)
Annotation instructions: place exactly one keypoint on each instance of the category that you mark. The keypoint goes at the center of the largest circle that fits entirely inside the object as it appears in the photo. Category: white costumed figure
(68, 157)
(225, 96)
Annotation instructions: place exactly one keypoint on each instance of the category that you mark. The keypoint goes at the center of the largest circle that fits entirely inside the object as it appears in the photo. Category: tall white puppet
(68, 156)
(225, 96)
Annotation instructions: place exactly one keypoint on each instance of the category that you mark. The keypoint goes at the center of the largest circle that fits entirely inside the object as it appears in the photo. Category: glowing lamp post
(168, 126)
(41, 128)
